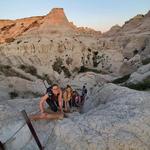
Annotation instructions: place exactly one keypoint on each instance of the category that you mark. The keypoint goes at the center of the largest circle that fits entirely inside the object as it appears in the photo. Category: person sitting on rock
(76, 98)
(67, 97)
(53, 97)
(84, 93)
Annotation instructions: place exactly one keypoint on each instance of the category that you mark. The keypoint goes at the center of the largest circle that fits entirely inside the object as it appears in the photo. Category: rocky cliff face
(45, 40)
(53, 42)
(56, 17)
(55, 46)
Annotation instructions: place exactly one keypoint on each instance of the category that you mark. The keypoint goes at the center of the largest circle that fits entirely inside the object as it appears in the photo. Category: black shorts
(52, 104)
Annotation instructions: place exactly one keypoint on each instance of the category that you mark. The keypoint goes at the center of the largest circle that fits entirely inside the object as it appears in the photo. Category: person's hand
(44, 114)
(61, 110)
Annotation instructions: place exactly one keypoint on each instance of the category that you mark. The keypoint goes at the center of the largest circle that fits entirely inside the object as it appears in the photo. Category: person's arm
(60, 100)
(42, 101)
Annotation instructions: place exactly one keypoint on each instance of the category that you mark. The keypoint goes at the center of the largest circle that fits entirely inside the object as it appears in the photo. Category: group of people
(62, 100)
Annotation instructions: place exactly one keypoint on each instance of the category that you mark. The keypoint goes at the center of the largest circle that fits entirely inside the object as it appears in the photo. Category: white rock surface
(141, 74)
(24, 88)
(114, 117)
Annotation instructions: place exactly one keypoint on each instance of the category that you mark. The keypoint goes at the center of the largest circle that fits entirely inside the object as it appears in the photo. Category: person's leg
(68, 107)
(82, 100)
(65, 106)
(70, 103)
(74, 102)
(52, 105)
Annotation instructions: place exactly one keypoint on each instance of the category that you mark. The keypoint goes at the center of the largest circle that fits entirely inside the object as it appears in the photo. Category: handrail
(24, 114)
(1, 146)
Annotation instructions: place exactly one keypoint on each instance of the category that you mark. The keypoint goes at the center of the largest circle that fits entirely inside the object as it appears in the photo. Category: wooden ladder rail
(26, 118)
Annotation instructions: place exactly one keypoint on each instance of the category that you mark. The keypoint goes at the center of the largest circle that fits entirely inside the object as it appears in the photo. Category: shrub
(146, 61)
(57, 65)
(4, 68)
(89, 50)
(145, 85)
(19, 41)
(33, 71)
(29, 69)
(76, 69)
(45, 77)
(66, 71)
(69, 61)
(95, 53)
(85, 69)
(122, 79)
(9, 40)
(8, 71)
(135, 52)
(13, 94)
(97, 59)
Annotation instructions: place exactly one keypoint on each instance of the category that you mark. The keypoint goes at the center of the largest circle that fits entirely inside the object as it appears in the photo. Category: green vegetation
(69, 61)
(13, 94)
(29, 69)
(8, 71)
(85, 69)
(33, 71)
(122, 79)
(57, 65)
(97, 59)
(66, 71)
(45, 77)
(142, 86)
(146, 61)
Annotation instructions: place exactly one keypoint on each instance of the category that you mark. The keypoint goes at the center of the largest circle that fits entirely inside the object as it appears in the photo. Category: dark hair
(54, 85)
(48, 89)
(68, 86)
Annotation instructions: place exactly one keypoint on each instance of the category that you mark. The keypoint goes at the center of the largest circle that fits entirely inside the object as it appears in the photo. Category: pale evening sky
(97, 14)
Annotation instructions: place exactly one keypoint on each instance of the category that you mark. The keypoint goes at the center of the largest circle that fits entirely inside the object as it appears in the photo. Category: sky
(97, 14)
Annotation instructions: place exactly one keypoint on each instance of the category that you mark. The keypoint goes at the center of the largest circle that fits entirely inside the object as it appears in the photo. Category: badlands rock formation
(52, 48)
(52, 42)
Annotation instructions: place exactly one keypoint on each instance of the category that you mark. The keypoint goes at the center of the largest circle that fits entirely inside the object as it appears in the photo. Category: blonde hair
(67, 95)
